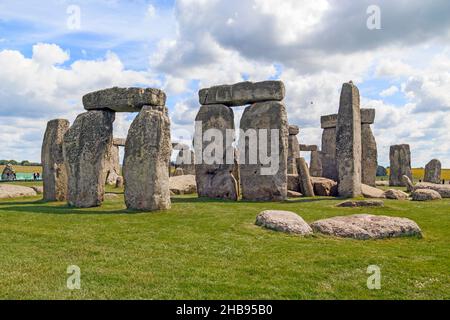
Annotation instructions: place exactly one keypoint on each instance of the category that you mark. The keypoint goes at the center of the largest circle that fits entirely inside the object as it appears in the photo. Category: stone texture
(400, 164)
(146, 162)
(283, 221)
(324, 187)
(186, 161)
(328, 154)
(348, 142)
(361, 203)
(85, 147)
(38, 189)
(257, 181)
(8, 172)
(381, 171)
(112, 164)
(306, 186)
(124, 99)
(442, 189)
(243, 93)
(13, 191)
(119, 182)
(183, 185)
(395, 194)
(307, 147)
(365, 226)
(216, 180)
(367, 116)
(371, 192)
(294, 130)
(329, 121)
(315, 164)
(293, 153)
(293, 182)
(369, 160)
(433, 172)
(119, 142)
(178, 172)
(425, 195)
(294, 194)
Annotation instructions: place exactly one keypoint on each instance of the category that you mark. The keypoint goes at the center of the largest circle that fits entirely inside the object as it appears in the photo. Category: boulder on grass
(13, 191)
(38, 189)
(324, 187)
(425, 195)
(294, 194)
(371, 192)
(284, 221)
(395, 194)
(365, 226)
(361, 203)
(183, 185)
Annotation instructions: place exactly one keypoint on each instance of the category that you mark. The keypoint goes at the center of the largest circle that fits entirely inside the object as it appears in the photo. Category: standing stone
(215, 176)
(400, 164)
(8, 173)
(381, 171)
(433, 172)
(54, 173)
(259, 181)
(348, 142)
(369, 161)
(85, 149)
(315, 166)
(112, 164)
(147, 155)
(306, 185)
(294, 150)
(328, 151)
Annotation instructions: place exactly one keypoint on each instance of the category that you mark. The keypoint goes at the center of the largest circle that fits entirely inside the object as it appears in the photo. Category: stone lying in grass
(371, 192)
(425, 195)
(38, 189)
(395, 194)
(13, 191)
(365, 226)
(294, 194)
(360, 203)
(283, 221)
(183, 185)
(324, 187)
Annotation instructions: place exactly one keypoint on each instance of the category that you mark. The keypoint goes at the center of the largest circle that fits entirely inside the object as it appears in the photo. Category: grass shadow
(62, 209)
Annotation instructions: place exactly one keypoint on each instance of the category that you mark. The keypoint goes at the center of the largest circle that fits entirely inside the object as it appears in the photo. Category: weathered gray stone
(294, 130)
(215, 180)
(243, 93)
(360, 203)
(381, 171)
(329, 121)
(14, 191)
(324, 187)
(433, 172)
(112, 164)
(8, 173)
(294, 194)
(306, 147)
(367, 116)
(369, 162)
(425, 195)
(183, 185)
(265, 182)
(328, 154)
(38, 189)
(124, 99)
(54, 175)
(147, 155)
(315, 166)
(85, 147)
(365, 226)
(306, 186)
(293, 154)
(442, 189)
(283, 221)
(400, 164)
(348, 142)
(371, 192)
(293, 182)
(395, 194)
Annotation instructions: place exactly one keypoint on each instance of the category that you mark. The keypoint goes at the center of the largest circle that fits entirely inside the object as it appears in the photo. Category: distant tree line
(25, 163)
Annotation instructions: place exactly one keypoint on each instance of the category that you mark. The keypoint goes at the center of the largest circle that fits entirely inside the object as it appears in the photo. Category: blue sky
(402, 69)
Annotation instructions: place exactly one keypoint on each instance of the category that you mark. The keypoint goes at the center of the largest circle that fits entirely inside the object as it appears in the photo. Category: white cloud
(389, 91)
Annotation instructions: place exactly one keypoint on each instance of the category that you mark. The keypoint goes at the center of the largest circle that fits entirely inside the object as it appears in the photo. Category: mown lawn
(204, 249)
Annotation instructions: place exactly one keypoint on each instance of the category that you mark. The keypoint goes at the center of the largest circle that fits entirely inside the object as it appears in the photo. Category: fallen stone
(395, 194)
(365, 226)
(382, 183)
(371, 192)
(283, 221)
(306, 186)
(324, 187)
(13, 191)
(124, 99)
(243, 93)
(361, 203)
(294, 194)
(425, 195)
(442, 189)
(183, 185)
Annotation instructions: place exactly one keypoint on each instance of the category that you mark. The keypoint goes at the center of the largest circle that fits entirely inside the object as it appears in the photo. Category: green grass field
(204, 249)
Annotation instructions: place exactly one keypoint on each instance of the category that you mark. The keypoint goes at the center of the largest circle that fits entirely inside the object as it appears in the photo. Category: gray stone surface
(348, 142)
(293, 153)
(85, 147)
(54, 175)
(283, 221)
(13, 191)
(328, 154)
(243, 93)
(400, 164)
(328, 121)
(256, 184)
(371, 192)
(216, 180)
(367, 116)
(293, 182)
(38, 189)
(395, 194)
(183, 184)
(360, 203)
(315, 164)
(146, 162)
(425, 195)
(369, 160)
(8, 172)
(306, 186)
(442, 189)
(294, 130)
(381, 171)
(112, 164)
(124, 99)
(324, 187)
(306, 147)
(365, 226)
(433, 172)
(119, 182)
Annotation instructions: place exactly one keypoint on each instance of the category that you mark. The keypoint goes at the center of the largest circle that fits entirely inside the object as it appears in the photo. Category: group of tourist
(36, 176)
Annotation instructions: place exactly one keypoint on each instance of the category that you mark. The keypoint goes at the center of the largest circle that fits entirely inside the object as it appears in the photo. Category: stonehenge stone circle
(255, 185)
(124, 99)
(147, 154)
(294, 150)
(315, 165)
(85, 149)
(243, 93)
(433, 172)
(54, 173)
(306, 186)
(400, 164)
(216, 180)
(348, 142)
